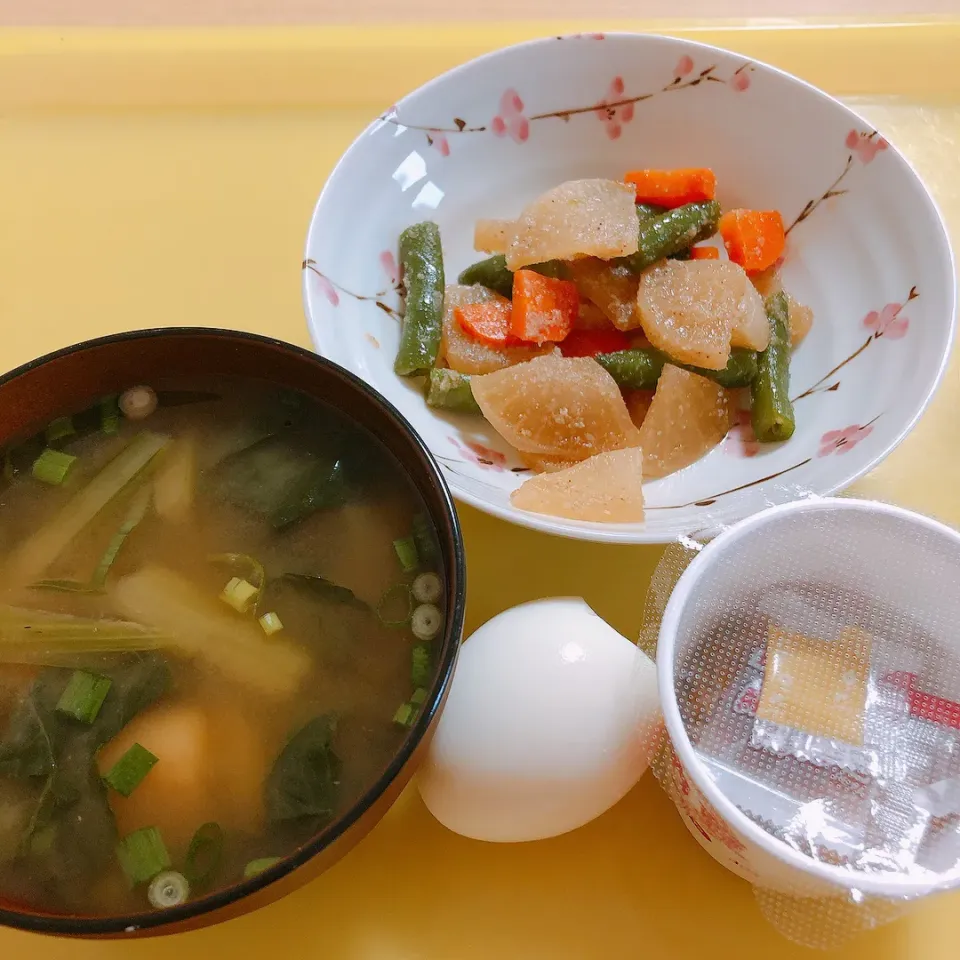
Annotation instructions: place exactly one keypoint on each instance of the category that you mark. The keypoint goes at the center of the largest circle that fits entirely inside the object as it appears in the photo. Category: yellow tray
(151, 178)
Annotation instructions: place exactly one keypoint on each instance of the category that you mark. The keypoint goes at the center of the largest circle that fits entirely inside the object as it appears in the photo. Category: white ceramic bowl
(909, 562)
(867, 249)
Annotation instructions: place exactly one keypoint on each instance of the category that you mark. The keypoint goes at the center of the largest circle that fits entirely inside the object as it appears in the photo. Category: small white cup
(874, 549)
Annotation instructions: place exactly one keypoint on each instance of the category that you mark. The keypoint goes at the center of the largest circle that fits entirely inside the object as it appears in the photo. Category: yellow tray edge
(83, 69)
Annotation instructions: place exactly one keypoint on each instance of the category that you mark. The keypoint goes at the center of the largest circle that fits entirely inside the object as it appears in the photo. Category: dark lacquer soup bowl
(72, 755)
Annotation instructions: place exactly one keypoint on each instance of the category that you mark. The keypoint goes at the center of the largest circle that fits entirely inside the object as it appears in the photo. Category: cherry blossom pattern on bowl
(867, 250)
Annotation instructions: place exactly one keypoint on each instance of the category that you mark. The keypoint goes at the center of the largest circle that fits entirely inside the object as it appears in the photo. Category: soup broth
(217, 621)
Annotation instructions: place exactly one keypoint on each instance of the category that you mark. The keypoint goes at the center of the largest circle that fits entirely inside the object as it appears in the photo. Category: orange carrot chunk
(704, 253)
(544, 309)
(487, 322)
(754, 238)
(673, 188)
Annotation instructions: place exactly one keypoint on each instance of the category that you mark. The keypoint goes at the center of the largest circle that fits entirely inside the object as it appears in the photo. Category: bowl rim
(599, 532)
(840, 877)
(155, 920)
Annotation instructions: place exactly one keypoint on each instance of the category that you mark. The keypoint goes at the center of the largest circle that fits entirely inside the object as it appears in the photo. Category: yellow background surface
(168, 178)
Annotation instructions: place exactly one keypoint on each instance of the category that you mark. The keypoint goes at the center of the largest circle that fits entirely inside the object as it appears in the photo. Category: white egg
(552, 717)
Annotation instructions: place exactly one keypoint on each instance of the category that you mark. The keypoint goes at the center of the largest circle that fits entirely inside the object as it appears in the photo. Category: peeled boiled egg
(551, 718)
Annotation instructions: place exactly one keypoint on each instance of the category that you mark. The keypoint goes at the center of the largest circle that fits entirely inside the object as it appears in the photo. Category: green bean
(671, 232)
(493, 273)
(449, 390)
(636, 369)
(639, 368)
(772, 411)
(647, 210)
(422, 260)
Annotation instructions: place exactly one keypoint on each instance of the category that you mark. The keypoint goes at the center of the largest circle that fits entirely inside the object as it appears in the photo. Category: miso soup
(219, 608)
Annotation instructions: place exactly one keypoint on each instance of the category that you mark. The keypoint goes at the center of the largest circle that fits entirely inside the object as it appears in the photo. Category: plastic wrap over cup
(809, 670)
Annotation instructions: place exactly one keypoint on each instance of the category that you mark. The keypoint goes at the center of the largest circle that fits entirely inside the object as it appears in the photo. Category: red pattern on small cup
(478, 454)
(510, 121)
(327, 288)
(613, 118)
(740, 81)
(439, 142)
(888, 322)
(683, 68)
(841, 441)
(865, 146)
(389, 263)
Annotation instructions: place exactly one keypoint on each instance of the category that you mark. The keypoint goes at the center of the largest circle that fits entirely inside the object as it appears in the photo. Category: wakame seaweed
(281, 480)
(70, 832)
(324, 589)
(304, 783)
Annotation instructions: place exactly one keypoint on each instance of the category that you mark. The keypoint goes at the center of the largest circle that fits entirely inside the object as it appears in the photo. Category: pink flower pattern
(510, 121)
(740, 81)
(389, 263)
(887, 322)
(683, 68)
(865, 146)
(614, 117)
(841, 441)
(327, 289)
(438, 140)
(477, 453)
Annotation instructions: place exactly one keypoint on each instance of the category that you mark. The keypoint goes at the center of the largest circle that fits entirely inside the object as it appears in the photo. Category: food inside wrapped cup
(832, 724)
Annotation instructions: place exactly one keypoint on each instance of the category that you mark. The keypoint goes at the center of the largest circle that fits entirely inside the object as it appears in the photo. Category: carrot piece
(588, 343)
(487, 322)
(673, 188)
(754, 238)
(544, 309)
(704, 253)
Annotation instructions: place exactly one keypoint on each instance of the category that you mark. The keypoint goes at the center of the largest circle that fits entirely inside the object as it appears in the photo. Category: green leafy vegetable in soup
(216, 600)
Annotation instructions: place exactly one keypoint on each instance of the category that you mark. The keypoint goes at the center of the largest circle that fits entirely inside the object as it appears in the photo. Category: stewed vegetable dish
(219, 608)
(607, 339)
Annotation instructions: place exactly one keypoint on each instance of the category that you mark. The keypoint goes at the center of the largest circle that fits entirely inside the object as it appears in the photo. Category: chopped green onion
(204, 854)
(405, 715)
(270, 623)
(419, 696)
(427, 588)
(250, 569)
(407, 554)
(426, 621)
(425, 537)
(109, 415)
(138, 510)
(258, 866)
(421, 671)
(52, 466)
(399, 592)
(239, 594)
(128, 772)
(168, 889)
(65, 586)
(143, 855)
(83, 696)
(59, 429)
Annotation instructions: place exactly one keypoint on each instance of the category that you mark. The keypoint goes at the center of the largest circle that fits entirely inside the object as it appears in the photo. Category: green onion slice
(405, 715)
(270, 623)
(407, 554)
(421, 670)
(53, 466)
(258, 866)
(426, 621)
(128, 772)
(143, 855)
(396, 606)
(83, 696)
(427, 588)
(110, 415)
(419, 696)
(204, 854)
(168, 889)
(60, 429)
(138, 510)
(250, 571)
